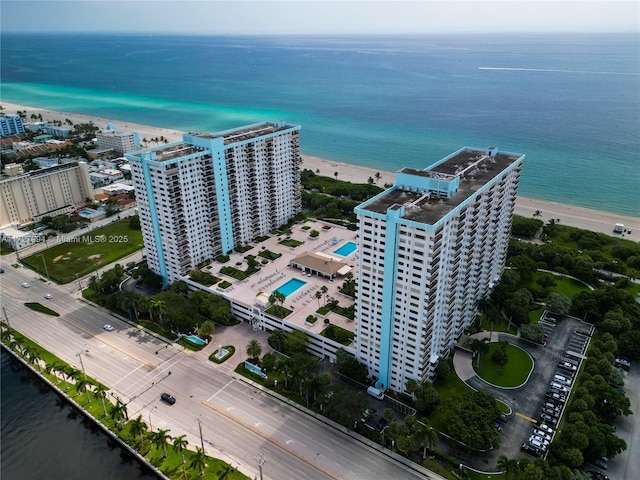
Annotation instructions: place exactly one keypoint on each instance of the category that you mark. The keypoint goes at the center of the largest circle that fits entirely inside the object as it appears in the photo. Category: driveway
(525, 401)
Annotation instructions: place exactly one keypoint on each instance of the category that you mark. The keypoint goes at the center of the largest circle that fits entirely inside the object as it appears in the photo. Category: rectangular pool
(290, 287)
(346, 249)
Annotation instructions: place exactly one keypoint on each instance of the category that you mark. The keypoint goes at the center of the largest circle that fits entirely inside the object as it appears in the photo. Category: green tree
(225, 471)
(206, 329)
(296, 342)
(254, 349)
(82, 385)
(118, 412)
(426, 437)
(558, 303)
(179, 444)
(160, 438)
(100, 391)
(478, 346)
(138, 427)
(199, 460)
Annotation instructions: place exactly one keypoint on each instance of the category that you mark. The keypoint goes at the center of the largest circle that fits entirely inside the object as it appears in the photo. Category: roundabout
(513, 373)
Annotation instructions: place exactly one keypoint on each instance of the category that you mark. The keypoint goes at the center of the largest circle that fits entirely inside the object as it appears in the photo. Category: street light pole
(79, 284)
(150, 411)
(46, 270)
(200, 428)
(84, 374)
(261, 462)
(6, 317)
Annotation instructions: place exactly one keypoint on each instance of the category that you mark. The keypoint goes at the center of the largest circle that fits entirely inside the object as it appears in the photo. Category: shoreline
(584, 218)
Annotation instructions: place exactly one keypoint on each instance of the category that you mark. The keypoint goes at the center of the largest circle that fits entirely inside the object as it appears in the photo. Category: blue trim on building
(155, 223)
(388, 297)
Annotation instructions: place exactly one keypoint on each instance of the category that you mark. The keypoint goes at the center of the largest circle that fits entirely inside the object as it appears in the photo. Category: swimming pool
(346, 249)
(86, 213)
(195, 339)
(290, 287)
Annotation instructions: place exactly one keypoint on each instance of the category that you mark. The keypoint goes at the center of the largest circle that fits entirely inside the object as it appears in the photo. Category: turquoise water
(195, 339)
(290, 287)
(569, 102)
(346, 249)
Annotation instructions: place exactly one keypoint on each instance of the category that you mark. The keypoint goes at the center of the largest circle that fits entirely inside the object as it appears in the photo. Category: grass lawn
(102, 246)
(566, 286)
(290, 242)
(534, 315)
(514, 373)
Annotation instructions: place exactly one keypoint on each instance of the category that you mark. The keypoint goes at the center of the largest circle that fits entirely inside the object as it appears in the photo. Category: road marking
(220, 390)
(294, 453)
(526, 418)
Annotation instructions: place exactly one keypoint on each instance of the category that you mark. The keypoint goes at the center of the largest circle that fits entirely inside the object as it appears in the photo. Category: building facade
(210, 193)
(430, 247)
(119, 142)
(26, 198)
(11, 125)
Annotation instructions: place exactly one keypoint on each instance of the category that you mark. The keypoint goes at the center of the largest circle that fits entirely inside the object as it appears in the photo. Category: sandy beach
(594, 220)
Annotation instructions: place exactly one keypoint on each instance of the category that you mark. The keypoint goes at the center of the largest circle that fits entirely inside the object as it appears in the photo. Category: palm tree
(225, 471)
(138, 427)
(206, 329)
(425, 436)
(183, 472)
(199, 460)
(159, 306)
(118, 412)
(508, 465)
(254, 349)
(537, 214)
(284, 365)
(479, 346)
(82, 385)
(71, 374)
(335, 174)
(318, 296)
(179, 444)
(100, 391)
(377, 176)
(160, 439)
(324, 291)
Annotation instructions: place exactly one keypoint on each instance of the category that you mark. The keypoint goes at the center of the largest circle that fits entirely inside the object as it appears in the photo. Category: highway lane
(238, 422)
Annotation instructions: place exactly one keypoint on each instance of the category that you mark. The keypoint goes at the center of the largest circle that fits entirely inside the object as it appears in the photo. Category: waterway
(43, 437)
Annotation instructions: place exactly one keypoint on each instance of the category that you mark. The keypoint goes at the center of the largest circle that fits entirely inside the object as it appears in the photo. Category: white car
(25, 285)
(108, 327)
(48, 296)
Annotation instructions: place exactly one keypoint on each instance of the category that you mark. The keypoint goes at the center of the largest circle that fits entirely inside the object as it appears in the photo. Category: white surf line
(220, 390)
(551, 70)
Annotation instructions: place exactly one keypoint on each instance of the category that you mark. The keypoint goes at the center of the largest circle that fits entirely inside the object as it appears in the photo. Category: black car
(531, 450)
(170, 399)
(597, 475)
(381, 424)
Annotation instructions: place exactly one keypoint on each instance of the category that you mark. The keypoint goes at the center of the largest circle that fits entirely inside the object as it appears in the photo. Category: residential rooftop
(247, 133)
(473, 168)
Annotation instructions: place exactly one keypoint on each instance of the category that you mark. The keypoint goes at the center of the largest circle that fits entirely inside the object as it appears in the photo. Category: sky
(217, 17)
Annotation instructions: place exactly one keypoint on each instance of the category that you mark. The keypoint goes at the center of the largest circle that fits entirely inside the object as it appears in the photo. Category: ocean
(570, 102)
(43, 437)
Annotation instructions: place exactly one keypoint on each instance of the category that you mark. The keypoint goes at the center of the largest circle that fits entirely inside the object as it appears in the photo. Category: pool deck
(276, 273)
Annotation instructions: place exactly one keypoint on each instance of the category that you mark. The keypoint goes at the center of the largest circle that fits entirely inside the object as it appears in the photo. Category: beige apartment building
(27, 197)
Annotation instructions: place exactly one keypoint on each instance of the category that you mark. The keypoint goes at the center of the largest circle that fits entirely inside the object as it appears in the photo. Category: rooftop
(247, 133)
(473, 167)
(277, 272)
(164, 153)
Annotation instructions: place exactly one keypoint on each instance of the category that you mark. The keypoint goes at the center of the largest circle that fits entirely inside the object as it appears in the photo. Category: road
(627, 464)
(239, 423)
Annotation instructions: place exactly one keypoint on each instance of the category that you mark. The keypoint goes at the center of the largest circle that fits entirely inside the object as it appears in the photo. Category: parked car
(367, 414)
(530, 449)
(546, 428)
(166, 397)
(602, 463)
(567, 366)
(381, 424)
(622, 362)
(595, 475)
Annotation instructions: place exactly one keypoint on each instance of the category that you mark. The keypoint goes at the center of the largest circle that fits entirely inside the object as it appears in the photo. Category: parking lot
(543, 394)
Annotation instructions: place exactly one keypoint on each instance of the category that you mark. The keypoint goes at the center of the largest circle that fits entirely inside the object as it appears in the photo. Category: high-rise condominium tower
(430, 247)
(202, 197)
